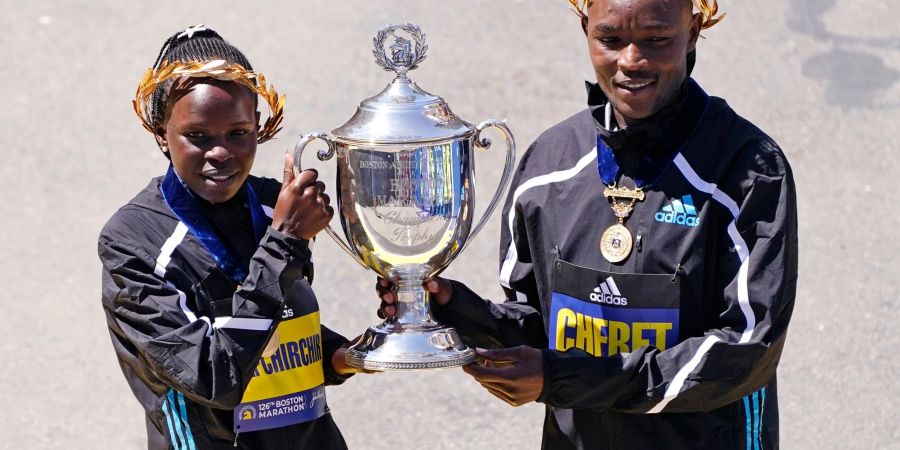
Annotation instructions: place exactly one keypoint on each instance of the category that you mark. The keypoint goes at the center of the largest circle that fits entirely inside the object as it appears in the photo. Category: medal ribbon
(184, 204)
(652, 166)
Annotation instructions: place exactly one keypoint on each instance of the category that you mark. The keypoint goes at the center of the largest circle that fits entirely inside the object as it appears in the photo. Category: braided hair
(196, 43)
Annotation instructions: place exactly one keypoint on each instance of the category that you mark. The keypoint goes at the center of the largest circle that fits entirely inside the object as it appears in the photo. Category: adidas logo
(608, 293)
(680, 212)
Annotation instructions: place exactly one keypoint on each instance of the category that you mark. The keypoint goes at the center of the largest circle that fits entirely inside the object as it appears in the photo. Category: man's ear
(583, 11)
(696, 25)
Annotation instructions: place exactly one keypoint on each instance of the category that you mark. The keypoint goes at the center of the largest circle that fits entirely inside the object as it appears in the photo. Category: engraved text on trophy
(410, 200)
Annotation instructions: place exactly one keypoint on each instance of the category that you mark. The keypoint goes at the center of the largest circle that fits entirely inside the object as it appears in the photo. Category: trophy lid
(402, 113)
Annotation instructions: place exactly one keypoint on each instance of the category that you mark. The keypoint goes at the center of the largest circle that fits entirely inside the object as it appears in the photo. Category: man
(649, 256)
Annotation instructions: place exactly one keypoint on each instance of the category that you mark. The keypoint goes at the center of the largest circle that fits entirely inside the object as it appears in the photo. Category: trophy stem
(413, 307)
(412, 339)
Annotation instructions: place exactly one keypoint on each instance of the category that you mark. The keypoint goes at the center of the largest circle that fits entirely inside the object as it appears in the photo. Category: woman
(207, 270)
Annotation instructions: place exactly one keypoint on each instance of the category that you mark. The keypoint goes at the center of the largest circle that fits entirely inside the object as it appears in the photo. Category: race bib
(606, 313)
(288, 385)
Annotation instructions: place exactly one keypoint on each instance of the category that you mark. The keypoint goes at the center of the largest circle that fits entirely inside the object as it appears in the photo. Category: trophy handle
(485, 143)
(323, 155)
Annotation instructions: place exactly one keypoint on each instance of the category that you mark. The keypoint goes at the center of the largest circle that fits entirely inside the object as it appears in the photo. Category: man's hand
(514, 375)
(302, 209)
(440, 289)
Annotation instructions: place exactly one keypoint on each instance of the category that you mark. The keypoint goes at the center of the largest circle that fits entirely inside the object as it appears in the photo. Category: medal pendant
(615, 243)
(272, 345)
(636, 194)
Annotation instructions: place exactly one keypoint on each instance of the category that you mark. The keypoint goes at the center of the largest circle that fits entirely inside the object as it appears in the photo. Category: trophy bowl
(406, 195)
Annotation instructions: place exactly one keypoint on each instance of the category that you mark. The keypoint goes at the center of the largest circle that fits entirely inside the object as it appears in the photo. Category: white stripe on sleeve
(739, 244)
(743, 295)
(554, 177)
(675, 386)
(165, 253)
(165, 256)
(242, 323)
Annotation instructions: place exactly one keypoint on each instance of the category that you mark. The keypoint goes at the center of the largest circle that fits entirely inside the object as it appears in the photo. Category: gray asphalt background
(820, 76)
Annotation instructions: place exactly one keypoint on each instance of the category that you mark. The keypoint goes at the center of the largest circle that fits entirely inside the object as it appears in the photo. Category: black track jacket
(677, 346)
(189, 339)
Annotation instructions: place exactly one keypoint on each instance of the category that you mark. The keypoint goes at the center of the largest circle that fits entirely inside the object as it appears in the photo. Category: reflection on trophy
(406, 193)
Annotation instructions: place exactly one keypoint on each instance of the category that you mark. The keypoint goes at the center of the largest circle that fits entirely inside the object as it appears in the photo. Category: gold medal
(616, 242)
(272, 345)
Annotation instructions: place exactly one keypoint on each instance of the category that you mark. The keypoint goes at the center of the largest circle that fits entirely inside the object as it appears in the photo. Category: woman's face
(211, 135)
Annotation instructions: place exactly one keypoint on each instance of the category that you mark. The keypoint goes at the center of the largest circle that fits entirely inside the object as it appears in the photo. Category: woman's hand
(440, 289)
(339, 360)
(303, 209)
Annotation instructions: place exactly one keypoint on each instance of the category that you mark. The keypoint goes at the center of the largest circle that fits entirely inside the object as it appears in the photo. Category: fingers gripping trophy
(406, 196)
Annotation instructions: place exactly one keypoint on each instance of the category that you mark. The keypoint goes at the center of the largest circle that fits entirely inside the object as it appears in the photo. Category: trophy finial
(404, 56)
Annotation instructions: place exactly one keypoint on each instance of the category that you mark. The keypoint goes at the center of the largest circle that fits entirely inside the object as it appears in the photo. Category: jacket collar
(643, 134)
(644, 150)
(151, 198)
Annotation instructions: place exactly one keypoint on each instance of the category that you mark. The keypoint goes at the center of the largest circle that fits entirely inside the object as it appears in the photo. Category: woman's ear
(160, 135)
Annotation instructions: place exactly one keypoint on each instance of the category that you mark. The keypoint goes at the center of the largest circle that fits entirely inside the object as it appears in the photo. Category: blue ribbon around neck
(607, 165)
(184, 204)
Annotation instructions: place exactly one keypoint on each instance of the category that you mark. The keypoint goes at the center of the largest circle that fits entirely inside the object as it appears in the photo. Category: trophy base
(390, 346)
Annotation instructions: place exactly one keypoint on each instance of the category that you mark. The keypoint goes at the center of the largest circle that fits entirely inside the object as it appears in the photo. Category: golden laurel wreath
(708, 10)
(219, 70)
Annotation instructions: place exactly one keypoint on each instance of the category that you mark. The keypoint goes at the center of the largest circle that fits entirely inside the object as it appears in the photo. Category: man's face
(639, 52)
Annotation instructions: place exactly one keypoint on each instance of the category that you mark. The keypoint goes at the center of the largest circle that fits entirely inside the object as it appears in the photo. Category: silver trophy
(406, 195)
